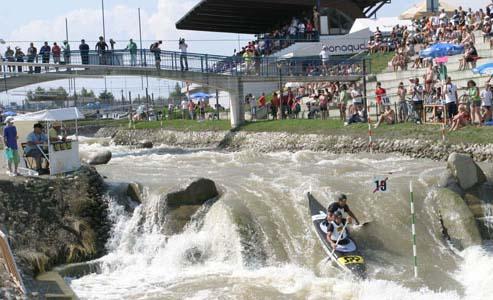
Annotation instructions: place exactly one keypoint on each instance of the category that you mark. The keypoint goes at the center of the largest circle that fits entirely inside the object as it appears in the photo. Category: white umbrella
(420, 10)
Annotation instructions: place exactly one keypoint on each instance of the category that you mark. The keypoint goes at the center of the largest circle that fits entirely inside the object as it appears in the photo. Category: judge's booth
(62, 155)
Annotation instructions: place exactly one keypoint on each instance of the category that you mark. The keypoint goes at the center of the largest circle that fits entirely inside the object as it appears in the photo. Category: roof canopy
(254, 16)
(419, 10)
(60, 114)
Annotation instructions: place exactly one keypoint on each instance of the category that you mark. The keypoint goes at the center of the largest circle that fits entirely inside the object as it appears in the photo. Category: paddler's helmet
(338, 214)
(342, 197)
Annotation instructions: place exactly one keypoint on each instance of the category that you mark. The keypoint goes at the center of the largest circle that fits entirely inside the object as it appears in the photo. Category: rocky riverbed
(278, 141)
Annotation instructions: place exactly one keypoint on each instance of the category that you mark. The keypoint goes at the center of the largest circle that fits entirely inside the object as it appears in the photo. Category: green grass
(469, 134)
(379, 61)
(185, 125)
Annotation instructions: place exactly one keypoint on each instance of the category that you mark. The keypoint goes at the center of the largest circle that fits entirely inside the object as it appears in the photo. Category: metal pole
(104, 27)
(147, 104)
(413, 229)
(142, 56)
(66, 29)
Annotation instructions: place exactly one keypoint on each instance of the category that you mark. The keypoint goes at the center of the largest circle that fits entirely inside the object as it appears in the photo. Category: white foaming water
(145, 264)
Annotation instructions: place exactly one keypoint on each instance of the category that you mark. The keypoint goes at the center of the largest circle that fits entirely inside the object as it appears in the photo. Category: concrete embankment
(278, 141)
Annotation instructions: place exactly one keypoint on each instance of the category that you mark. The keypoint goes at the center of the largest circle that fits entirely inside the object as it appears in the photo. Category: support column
(236, 104)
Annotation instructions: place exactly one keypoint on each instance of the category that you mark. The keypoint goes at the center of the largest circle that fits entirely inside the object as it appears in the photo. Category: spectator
(84, 52)
(359, 115)
(182, 46)
(343, 100)
(418, 98)
(191, 109)
(451, 97)
(356, 95)
(316, 19)
(324, 55)
(66, 52)
(101, 48)
(261, 101)
(470, 57)
(10, 140)
(461, 119)
(402, 104)
(323, 105)
(19, 57)
(380, 93)
(275, 104)
(475, 98)
(45, 54)
(35, 138)
(9, 56)
(32, 56)
(253, 108)
(184, 109)
(171, 110)
(486, 99)
(57, 51)
(429, 78)
(112, 44)
(156, 50)
(132, 48)
(388, 116)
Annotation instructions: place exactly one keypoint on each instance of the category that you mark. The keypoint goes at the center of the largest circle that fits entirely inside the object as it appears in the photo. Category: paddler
(340, 206)
(336, 231)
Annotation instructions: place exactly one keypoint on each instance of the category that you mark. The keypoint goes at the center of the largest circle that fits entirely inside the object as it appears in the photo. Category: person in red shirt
(261, 101)
(380, 93)
(56, 51)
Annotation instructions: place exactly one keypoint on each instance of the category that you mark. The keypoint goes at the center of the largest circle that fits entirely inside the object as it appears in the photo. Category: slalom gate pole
(370, 140)
(413, 229)
(443, 132)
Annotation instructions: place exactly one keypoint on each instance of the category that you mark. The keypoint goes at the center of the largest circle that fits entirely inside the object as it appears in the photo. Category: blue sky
(39, 20)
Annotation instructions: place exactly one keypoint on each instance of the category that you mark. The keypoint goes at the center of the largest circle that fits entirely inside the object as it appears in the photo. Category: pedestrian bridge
(236, 75)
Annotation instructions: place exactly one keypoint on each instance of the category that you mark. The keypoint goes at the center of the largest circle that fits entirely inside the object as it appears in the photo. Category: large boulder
(97, 158)
(182, 203)
(465, 170)
(196, 193)
(457, 218)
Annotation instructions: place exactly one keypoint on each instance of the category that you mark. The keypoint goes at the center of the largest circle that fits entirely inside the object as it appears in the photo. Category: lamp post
(279, 68)
(102, 12)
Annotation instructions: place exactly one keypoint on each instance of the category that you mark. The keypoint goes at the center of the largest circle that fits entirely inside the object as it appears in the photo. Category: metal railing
(264, 66)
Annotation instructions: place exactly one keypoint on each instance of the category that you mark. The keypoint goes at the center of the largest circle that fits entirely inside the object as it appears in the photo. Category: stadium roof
(261, 16)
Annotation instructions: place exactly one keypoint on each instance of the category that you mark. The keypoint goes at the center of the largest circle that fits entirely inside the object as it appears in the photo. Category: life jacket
(338, 231)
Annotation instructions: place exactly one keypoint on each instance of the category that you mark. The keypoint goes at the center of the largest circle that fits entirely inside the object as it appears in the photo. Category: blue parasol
(9, 114)
(441, 49)
(199, 95)
(485, 69)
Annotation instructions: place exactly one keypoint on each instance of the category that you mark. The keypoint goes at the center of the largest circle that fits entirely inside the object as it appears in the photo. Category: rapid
(257, 240)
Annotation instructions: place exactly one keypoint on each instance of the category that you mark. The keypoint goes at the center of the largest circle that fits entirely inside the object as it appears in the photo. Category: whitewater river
(257, 240)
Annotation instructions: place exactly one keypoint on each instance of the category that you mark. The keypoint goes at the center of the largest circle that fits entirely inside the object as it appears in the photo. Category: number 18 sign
(380, 184)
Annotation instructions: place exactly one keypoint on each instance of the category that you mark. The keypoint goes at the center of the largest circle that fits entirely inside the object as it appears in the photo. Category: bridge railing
(194, 62)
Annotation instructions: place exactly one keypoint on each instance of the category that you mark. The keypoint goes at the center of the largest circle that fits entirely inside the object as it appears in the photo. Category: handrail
(10, 262)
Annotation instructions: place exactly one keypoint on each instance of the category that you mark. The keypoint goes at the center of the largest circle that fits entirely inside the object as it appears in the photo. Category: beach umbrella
(441, 49)
(199, 95)
(485, 69)
(419, 10)
(9, 114)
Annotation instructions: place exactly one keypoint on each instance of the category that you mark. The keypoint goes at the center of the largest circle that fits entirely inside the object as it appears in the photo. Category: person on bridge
(183, 56)
(102, 48)
(132, 48)
(57, 52)
(19, 57)
(66, 52)
(9, 56)
(157, 53)
(32, 55)
(45, 52)
(84, 52)
(340, 206)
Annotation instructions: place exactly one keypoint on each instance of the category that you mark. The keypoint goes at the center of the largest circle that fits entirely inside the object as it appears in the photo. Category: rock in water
(146, 144)
(457, 218)
(196, 193)
(134, 191)
(465, 170)
(97, 158)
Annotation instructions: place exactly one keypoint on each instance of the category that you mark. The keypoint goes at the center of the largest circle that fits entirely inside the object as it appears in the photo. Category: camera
(181, 41)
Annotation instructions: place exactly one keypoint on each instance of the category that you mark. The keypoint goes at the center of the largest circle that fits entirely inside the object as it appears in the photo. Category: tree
(106, 97)
(87, 93)
(176, 94)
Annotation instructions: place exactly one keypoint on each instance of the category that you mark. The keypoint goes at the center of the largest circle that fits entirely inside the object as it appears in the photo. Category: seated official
(55, 133)
(35, 138)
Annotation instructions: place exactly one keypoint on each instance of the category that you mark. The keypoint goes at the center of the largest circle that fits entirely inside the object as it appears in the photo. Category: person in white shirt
(171, 110)
(451, 96)
(301, 31)
(184, 109)
(486, 100)
(253, 107)
(183, 56)
(356, 95)
(324, 55)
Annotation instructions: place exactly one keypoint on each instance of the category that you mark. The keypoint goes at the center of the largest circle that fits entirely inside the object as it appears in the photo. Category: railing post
(202, 64)
(206, 63)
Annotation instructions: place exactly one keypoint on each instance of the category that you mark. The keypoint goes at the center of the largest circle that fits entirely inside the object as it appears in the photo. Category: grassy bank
(470, 134)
